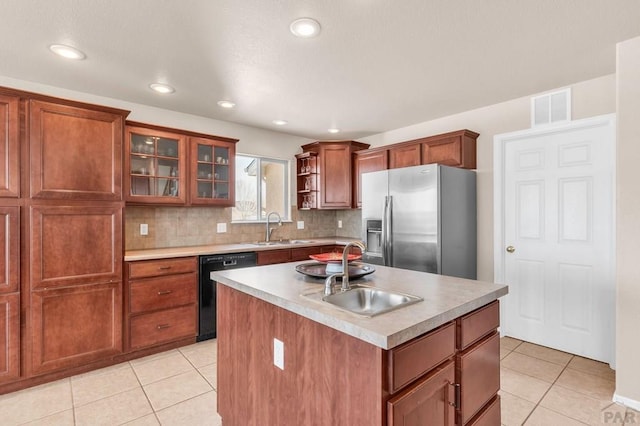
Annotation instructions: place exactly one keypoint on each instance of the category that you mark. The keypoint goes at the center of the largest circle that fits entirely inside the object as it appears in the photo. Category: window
(262, 186)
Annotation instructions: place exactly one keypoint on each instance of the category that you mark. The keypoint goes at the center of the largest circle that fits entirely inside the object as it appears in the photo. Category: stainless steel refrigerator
(421, 218)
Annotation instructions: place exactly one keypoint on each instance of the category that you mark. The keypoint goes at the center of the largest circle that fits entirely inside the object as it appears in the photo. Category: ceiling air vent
(551, 108)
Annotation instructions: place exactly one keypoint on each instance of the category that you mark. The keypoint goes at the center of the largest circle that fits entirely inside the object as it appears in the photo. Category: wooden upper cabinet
(457, 149)
(155, 166)
(370, 160)
(333, 177)
(404, 155)
(76, 151)
(212, 176)
(9, 146)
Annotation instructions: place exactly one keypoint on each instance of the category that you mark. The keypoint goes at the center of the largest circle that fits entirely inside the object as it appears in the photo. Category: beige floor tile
(544, 353)
(148, 420)
(514, 410)
(176, 389)
(509, 342)
(210, 373)
(114, 410)
(578, 406)
(538, 368)
(155, 368)
(588, 384)
(198, 411)
(103, 383)
(202, 353)
(64, 418)
(523, 386)
(504, 352)
(544, 417)
(35, 403)
(592, 367)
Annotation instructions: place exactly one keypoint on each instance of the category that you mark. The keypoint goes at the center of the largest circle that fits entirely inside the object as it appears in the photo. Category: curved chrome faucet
(331, 279)
(267, 237)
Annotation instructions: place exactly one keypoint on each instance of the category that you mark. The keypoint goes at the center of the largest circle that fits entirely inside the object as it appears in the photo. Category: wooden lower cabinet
(161, 301)
(331, 378)
(9, 337)
(428, 402)
(75, 325)
(269, 257)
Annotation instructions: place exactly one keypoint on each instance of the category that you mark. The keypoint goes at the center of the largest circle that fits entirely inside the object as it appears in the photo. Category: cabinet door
(72, 245)
(212, 172)
(9, 337)
(457, 150)
(404, 156)
(428, 402)
(9, 249)
(478, 373)
(155, 166)
(367, 162)
(9, 146)
(75, 325)
(335, 176)
(269, 257)
(76, 153)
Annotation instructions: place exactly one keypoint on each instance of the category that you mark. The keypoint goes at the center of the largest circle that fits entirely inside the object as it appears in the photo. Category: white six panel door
(559, 232)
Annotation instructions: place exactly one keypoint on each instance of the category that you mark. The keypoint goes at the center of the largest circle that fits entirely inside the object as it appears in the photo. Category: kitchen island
(433, 362)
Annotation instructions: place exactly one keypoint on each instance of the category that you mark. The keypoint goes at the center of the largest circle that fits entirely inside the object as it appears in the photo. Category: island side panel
(329, 378)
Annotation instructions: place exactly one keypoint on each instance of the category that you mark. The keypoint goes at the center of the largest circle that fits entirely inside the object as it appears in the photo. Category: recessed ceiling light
(305, 27)
(67, 51)
(226, 104)
(279, 122)
(162, 88)
(333, 130)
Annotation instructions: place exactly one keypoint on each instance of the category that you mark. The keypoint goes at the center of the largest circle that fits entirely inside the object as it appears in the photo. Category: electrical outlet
(278, 353)
(144, 229)
(221, 228)
(301, 224)
(339, 224)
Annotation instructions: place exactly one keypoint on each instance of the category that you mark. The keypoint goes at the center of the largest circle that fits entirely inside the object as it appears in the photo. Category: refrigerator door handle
(383, 246)
(386, 226)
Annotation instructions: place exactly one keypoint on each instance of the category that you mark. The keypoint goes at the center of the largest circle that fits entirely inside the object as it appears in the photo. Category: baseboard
(627, 402)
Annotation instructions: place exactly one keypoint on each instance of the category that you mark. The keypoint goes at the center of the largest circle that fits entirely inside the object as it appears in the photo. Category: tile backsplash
(191, 226)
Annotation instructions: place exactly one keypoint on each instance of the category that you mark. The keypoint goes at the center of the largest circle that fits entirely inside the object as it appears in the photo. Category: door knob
(511, 249)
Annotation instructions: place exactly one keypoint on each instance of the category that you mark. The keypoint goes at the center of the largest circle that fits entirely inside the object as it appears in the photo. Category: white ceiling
(377, 64)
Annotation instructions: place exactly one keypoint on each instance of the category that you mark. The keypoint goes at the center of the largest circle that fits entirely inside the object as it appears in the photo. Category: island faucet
(331, 279)
(267, 237)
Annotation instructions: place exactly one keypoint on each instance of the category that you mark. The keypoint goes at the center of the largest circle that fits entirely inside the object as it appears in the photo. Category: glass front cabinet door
(212, 164)
(156, 165)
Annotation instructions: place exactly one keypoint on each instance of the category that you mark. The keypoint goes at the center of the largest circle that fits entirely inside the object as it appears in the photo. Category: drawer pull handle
(456, 395)
(164, 292)
(164, 268)
(163, 326)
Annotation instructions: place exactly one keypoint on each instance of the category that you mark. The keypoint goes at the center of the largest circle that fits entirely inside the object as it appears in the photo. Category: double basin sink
(366, 300)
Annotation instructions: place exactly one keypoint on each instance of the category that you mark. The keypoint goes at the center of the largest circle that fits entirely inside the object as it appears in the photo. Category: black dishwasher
(207, 296)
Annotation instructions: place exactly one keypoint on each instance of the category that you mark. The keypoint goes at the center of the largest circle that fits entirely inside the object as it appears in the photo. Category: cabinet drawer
(477, 324)
(478, 373)
(154, 268)
(490, 416)
(163, 292)
(273, 256)
(302, 253)
(163, 326)
(414, 358)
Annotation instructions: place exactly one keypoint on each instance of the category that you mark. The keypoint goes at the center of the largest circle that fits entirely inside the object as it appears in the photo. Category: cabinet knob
(511, 249)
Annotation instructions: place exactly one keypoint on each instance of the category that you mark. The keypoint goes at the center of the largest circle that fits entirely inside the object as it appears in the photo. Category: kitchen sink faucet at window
(270, 230)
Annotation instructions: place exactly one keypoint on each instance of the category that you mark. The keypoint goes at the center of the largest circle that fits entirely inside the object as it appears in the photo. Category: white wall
(590, 98)
(627, 221)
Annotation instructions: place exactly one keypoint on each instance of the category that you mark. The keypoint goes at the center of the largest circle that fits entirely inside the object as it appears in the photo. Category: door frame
(499, 144)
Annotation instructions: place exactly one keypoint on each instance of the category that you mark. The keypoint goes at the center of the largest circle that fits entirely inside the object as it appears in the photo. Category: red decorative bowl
(333, 257)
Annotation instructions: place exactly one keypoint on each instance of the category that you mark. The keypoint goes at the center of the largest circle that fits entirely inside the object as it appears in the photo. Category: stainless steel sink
(370, 301)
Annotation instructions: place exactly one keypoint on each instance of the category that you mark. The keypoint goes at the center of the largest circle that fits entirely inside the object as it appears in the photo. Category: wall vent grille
(551, 108)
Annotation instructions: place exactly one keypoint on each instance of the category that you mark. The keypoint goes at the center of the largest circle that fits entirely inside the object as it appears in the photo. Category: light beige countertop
(168, 252)
(445, 298)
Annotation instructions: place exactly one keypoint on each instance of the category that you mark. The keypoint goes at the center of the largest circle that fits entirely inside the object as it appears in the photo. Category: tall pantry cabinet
(61, 238)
